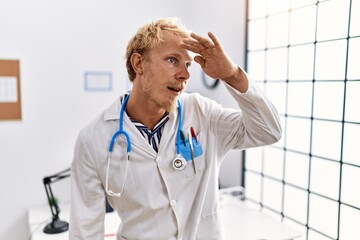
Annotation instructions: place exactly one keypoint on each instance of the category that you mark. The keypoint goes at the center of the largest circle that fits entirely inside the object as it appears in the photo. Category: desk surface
(240, 220)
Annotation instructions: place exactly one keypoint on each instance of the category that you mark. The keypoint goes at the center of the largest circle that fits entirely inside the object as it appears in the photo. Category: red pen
(193, 134)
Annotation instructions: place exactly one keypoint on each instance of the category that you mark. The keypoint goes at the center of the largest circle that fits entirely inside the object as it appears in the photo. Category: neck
(143, 111)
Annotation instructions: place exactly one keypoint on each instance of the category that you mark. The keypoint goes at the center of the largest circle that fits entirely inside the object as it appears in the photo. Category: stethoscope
(179, 163)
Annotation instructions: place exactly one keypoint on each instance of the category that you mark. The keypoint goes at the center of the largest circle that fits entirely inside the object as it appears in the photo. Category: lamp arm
(54, 208)
(56, 226)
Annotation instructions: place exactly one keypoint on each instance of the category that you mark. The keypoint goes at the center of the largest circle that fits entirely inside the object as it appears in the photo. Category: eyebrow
(178, 55)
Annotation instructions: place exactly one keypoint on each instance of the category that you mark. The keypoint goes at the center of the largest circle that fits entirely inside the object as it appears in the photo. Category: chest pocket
(194, 155)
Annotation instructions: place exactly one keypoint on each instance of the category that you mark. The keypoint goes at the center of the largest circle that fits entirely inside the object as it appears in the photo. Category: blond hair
(149, 36)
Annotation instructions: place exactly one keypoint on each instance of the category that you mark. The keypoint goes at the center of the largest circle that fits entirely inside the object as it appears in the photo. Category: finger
(201, 61)
(214, 39)
(204, 41)
(190, 48)
(194, 44)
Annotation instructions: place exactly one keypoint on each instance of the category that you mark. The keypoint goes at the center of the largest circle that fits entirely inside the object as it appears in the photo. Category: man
(165, 185)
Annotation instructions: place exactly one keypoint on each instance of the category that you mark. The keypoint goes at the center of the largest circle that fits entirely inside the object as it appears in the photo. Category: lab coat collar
(113, 113)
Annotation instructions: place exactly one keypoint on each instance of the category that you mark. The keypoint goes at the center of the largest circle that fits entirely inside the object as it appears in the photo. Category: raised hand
(211, 56)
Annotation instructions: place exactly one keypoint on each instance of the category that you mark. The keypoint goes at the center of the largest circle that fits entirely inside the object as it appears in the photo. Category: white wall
(56, 42)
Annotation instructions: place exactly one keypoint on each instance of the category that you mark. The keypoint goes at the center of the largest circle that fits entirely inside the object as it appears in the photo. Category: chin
(171, 107)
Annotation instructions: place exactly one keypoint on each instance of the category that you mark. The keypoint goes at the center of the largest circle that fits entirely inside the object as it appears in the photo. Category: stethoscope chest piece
(179, 163)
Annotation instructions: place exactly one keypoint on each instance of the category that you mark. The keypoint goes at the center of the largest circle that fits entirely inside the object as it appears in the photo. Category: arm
(257, 123)
(87, 196)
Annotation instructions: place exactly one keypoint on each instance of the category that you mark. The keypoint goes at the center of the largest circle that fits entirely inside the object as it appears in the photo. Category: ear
(136, 63)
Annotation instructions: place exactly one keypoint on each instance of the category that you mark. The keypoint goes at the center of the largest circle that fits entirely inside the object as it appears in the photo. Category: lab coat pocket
(192, 151)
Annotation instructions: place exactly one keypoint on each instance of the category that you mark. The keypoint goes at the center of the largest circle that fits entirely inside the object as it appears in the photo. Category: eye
(171, 60)
(188, 64)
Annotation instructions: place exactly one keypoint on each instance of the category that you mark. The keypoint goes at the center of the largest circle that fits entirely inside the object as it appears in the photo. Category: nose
(183, 73)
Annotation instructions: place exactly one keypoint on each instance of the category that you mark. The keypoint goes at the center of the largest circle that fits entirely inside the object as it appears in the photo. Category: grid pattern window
(305, 55)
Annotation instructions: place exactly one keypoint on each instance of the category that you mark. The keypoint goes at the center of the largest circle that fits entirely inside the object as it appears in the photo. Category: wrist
(238, 80)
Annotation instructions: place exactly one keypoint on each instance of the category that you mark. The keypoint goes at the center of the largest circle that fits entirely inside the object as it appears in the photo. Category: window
(305, 55)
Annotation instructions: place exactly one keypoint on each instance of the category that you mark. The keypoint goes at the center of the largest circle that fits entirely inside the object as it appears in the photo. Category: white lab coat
(159, 202)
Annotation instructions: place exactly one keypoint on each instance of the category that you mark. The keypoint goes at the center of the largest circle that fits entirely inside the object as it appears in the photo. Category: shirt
(153, 136)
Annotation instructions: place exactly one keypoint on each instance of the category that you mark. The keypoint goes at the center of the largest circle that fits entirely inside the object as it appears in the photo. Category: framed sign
(97, 81)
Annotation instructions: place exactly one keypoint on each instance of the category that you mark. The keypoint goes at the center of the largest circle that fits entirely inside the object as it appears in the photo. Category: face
(165, 73)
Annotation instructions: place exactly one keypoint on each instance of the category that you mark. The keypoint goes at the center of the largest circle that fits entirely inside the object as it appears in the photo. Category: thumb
(201, 61)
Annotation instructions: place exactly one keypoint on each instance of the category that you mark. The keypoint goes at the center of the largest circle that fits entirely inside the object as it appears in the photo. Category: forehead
(171, 46)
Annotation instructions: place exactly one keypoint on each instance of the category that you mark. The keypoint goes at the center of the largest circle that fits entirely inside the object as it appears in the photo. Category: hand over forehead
(211, 55)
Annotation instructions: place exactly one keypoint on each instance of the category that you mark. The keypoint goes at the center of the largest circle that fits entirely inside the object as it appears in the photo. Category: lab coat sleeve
(256, 124)
(87, 196)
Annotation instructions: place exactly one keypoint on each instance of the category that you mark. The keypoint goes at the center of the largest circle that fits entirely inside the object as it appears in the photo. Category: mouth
(175, 90)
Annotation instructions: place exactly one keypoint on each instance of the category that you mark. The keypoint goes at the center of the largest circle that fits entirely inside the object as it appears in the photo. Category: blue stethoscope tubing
(121, 131)
(128, 149)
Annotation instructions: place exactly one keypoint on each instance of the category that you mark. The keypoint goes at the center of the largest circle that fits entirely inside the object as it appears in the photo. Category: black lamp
(56, 225)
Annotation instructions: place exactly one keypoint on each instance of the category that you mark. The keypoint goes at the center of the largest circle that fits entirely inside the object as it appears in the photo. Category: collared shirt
(153, 137)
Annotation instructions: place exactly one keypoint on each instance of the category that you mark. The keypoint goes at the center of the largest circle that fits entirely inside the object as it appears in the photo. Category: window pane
(253, 186)
(257, 8)
(325, 177)
(298, 134)
(351, 143)
(355, 18)
(297, 169)
(333, 17)
(273, 162)
(327, 139)
(276, 64)
(278, 27)
(303, 22)
(257, 34)
(328, 100)
(317, 236)
(354, 59)
(301, 62)
(295, 204)
(349, 223)
(254, 159)
(323, 215)
(281, 143)
(352, 101)
(299, 98)
(256, 65)
(350, 185)
(277, 93)
(276, 6)
(300, 3)
(330, 60)
(272, 194)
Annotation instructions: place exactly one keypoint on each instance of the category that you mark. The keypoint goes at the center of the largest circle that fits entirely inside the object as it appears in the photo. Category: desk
(247, 223)
(240, 220)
